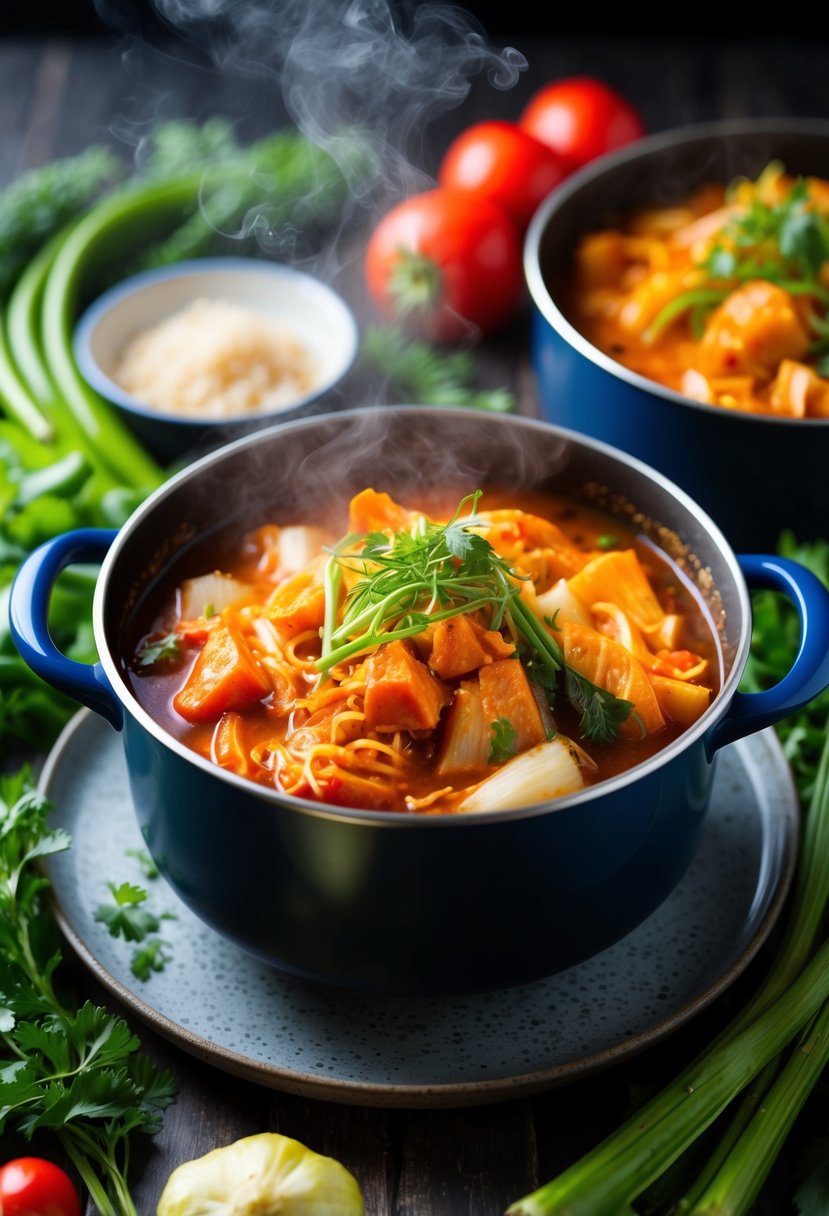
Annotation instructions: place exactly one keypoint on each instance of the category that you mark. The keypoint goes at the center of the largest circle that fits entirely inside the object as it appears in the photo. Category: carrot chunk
(610, 665)
(298, 604)
(229, 748)
(506, 693)
(679, 700)
(372, 511)
(401, 692)
(226, 676)
(461, 645)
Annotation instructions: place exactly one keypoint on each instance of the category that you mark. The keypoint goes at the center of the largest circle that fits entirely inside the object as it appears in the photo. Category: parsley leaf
(74, 1070)
(503, 741)
(152, 956)
(160, 650)
(127, 917)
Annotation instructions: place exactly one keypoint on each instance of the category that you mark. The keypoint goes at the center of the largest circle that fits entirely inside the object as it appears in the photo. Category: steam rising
(384, 67)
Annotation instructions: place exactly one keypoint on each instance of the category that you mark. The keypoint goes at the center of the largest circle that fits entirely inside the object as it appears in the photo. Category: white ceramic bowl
(312, 311)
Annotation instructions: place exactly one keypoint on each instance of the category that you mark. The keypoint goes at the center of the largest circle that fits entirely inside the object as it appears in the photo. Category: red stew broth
(587, 527)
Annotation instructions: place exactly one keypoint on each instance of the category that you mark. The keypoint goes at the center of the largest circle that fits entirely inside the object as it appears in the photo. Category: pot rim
(398, 819)
(659, 142)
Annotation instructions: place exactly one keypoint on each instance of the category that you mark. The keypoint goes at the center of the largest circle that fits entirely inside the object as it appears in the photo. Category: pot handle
(28, 620)
(809, 673)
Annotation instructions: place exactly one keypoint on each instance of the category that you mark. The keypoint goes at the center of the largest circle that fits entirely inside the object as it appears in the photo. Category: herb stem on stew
(434, 572)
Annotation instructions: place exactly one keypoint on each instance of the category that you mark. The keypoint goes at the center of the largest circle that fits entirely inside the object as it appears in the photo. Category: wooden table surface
(60, 93)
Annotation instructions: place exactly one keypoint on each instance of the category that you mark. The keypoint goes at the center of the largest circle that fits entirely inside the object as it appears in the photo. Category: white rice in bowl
(216, 359)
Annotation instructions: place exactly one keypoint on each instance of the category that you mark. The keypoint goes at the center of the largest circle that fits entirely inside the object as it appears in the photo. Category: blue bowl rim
(101, 382)
(394, 819)
(660, 141)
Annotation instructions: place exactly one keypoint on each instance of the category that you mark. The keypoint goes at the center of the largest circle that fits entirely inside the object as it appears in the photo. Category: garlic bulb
(263, 1175)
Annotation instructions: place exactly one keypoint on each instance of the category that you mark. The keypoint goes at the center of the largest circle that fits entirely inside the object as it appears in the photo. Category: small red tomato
(446, 265)
(30, 1186)
(581, 118)
(500, 161)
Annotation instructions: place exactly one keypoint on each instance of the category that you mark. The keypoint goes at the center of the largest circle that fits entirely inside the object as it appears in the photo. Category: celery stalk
(17, 400)
(735, 1188)
(23, 312)
(606, 1180)
(127, 217)
(641, 1150)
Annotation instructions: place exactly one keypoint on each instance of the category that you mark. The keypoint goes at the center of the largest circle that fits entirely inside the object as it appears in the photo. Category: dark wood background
(79, 74)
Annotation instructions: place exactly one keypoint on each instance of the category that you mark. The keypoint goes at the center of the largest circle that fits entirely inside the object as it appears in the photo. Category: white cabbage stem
(546, 771)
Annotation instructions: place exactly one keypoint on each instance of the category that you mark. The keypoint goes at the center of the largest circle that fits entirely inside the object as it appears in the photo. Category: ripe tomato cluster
(447, 263)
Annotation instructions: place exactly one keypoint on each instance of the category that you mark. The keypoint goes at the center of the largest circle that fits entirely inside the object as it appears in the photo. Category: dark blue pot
(755, 475)
(397, 902)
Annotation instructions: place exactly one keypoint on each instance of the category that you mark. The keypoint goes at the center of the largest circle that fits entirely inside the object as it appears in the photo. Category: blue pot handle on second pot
(809, 673)
(28, 619)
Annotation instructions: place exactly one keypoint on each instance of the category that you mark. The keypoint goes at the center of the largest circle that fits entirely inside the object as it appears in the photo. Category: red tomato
(581, 118)
(500, 161)
(30, 1186)
(446, 264)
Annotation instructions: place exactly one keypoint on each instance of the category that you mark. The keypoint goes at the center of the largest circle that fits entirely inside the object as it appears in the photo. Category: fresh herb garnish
(782, 240)
(160, 650)
(153, 955)
(129, 917)
(503, 741)
(74, 1071)
(601, 712)
(436, 571)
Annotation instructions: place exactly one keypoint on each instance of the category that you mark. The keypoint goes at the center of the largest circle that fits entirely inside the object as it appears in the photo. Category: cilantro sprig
(503, 741)
(128, 916)
(435, 571)
(75, 1071)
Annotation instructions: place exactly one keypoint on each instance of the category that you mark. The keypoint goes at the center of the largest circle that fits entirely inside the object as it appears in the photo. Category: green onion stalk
(607, 1180)
(792, 1001)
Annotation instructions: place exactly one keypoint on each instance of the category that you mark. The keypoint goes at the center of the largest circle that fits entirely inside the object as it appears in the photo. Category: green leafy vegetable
(437, 571)
(775, 638)
(73, 1070)
(41, 201)
(601, 712)
(275, 195)
(503, 741)
(127, 916)
(152, 955)
(160, 650)
(416, 371)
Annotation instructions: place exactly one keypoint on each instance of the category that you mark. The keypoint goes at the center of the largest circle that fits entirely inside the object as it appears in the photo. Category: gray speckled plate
(218, 1003)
